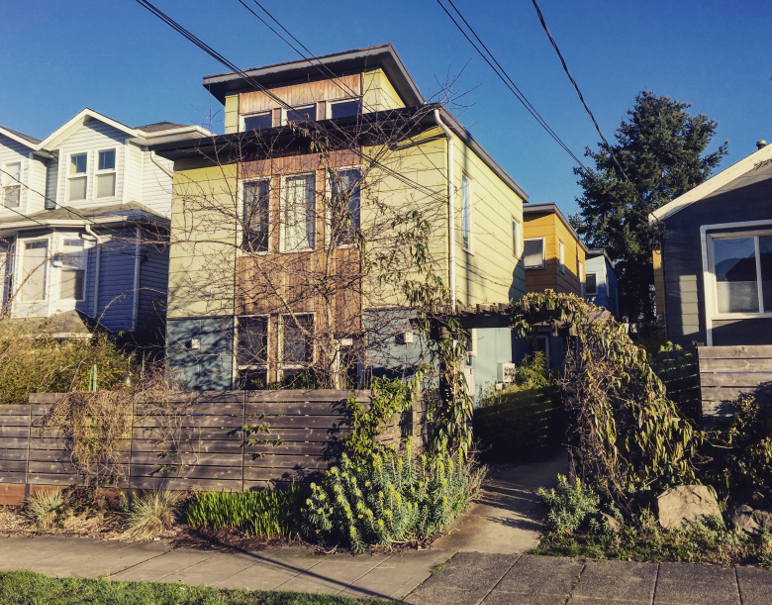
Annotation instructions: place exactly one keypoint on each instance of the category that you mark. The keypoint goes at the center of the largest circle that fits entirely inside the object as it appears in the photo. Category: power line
(504, 77)
(576, 86)
(258, 86)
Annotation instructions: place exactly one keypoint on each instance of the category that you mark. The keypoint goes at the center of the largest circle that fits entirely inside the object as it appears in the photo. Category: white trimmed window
(258, 121)
(742, 273)
(12, 185)
(72, 269)
(562, 256)
(592, 284)
(299, 213)
(301, 114)
(34, 267)
(77, 178)
(345, 108)
(105, 173)
(533, 255)
(466, 215)
(517, 238)
(257, 213)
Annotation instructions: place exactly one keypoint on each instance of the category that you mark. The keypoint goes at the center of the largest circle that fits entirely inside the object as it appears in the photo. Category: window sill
(299, 251)
(535, 268)
(727, 316)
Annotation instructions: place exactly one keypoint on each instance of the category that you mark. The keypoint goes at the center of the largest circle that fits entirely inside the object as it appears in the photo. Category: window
(77, 177)
(540, 344)
(517, 238)
(72, 263)
(466, 215)
(298, 340)
(260, 121)
(562, 256)
(345, 109)
(592, 284)
(742, 267)
(12, 188)
(105, 179)
(306, 113)
(345, 206)
(256, 216)
(34, 265)
(299, 213)
(252, 341)
(533, 254)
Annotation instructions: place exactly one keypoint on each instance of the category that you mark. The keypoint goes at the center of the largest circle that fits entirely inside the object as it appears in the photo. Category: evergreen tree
(659, 149)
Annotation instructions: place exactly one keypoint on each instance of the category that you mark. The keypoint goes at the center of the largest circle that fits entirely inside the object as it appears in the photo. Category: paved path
(494, 579)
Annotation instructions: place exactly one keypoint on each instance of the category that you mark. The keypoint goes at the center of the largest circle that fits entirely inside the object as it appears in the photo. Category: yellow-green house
(256, 229)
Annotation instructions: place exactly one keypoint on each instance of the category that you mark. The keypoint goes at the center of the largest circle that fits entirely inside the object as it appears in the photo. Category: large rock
(751, 521)
(685, 503)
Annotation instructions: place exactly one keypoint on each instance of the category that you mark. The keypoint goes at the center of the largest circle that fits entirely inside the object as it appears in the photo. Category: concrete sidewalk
(491, 579)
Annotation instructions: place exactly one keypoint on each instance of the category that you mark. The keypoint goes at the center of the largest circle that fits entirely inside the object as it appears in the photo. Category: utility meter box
(507, 372)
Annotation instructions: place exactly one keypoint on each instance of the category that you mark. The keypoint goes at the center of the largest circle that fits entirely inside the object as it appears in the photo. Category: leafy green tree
(658, 156)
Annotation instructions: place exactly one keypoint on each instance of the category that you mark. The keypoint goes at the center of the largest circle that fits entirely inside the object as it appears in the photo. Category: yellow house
(267, 274)
(554, 259)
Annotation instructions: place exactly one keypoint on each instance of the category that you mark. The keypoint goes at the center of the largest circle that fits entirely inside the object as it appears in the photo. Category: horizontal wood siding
(116, 281)
(730, 372)
(231, 441)
(552, 229)
(157, 185)
(153, 283)
(52, 174)
(11, 152)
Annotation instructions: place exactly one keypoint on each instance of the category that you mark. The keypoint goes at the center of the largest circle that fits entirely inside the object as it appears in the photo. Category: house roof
(160, 127)
(550, 208)
(24, 139)
(713, 184)
(76, 122)
(63, 216)
(600, 252)
(342, 63)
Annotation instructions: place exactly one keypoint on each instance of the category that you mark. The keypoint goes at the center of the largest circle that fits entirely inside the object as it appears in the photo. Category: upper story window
(742, 269)
(12, 185)
(72, 263)
(517, 238)
(562, 256)
(77, 177)
(299, 213)
(305, 113)
(592, 284)
(345, 206)
(466, 214)
(345, 109)
(533, 256)
(258, 121)
(34, 268)
(105, 177)
(256, 216)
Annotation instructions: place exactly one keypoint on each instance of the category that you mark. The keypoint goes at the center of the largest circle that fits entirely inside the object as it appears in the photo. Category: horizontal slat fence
(233, 441)
(727, 373)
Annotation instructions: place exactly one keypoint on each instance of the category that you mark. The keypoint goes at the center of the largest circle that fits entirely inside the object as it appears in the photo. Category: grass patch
(24, 588)
(708, 542)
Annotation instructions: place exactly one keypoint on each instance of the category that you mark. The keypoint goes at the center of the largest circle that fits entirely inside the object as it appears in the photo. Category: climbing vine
(624, 435)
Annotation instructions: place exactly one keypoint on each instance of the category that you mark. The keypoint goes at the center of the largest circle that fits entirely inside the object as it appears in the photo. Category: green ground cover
(27, 588)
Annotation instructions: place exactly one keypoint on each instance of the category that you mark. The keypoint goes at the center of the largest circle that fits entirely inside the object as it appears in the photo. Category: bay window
(72, 269)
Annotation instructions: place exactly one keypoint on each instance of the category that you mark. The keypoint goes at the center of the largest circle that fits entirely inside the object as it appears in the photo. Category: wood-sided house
(82, 220)
(269, 196)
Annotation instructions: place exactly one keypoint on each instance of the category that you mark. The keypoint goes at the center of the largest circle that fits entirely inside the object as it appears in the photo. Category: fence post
(131, 439)
(29, 443)
(241, 433)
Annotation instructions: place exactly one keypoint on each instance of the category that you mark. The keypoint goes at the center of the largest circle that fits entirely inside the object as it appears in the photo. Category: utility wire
(504, 77)
(258, 86)
(576, 86)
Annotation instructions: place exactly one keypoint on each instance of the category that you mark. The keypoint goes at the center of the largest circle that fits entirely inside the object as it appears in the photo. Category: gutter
(154, 159)
(451, 211)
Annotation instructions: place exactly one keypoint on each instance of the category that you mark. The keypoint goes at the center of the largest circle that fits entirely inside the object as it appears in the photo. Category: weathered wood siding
(744, 199)
(730, 372)
(231, 441)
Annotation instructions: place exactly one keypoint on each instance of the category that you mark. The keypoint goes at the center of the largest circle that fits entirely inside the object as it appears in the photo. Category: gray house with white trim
(713, 268)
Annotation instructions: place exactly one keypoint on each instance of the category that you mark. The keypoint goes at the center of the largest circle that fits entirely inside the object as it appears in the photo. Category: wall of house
(33, 173)
(744, 199)
(153, 283)
(199, 352)
(378, 92)
(552, 229)
(231, 122)
(606, 284)
(156, 191)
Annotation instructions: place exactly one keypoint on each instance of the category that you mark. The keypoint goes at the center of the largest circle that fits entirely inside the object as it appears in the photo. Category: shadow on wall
(199, 353)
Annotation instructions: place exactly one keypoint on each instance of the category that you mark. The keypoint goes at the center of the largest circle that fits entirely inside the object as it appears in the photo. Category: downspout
(451, 211)
(99, 242)
(154, 159)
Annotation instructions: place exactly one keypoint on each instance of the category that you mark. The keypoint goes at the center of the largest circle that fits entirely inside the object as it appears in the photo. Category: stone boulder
(751, 521)
(685, 503)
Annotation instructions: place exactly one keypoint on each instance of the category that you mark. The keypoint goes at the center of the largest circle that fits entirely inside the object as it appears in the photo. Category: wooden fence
(233, 441)
(727, 373)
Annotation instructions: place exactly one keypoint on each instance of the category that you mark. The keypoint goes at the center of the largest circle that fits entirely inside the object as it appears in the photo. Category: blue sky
(116, 58)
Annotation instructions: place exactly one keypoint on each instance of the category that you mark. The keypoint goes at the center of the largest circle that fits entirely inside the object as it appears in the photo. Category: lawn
(28, 588)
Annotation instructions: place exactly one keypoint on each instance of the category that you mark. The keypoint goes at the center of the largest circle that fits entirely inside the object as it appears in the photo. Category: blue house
(601, 282)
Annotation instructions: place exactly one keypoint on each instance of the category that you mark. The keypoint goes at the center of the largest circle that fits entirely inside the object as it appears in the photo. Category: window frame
(280, 353)
(285, 115)
(61, 268)
(98, 172)
(587, 289)
(331, 102)
(46, 273)
(11, 182)
(242, 251)
(243, 119)
(467, 215)
(282, 208)
(77, 175)
(562, 256)
(328, 192)
(264, 366)
(518, 243)
(543, 253)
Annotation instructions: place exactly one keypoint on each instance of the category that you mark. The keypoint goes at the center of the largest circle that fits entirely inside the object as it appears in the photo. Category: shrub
(387, 498)
(266, 514)
(151, 515)
(43, 507)
(568, 505)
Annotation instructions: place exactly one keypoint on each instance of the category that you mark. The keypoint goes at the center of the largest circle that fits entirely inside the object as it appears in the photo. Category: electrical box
(405, 338)
(507, 372)
(195, 344)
